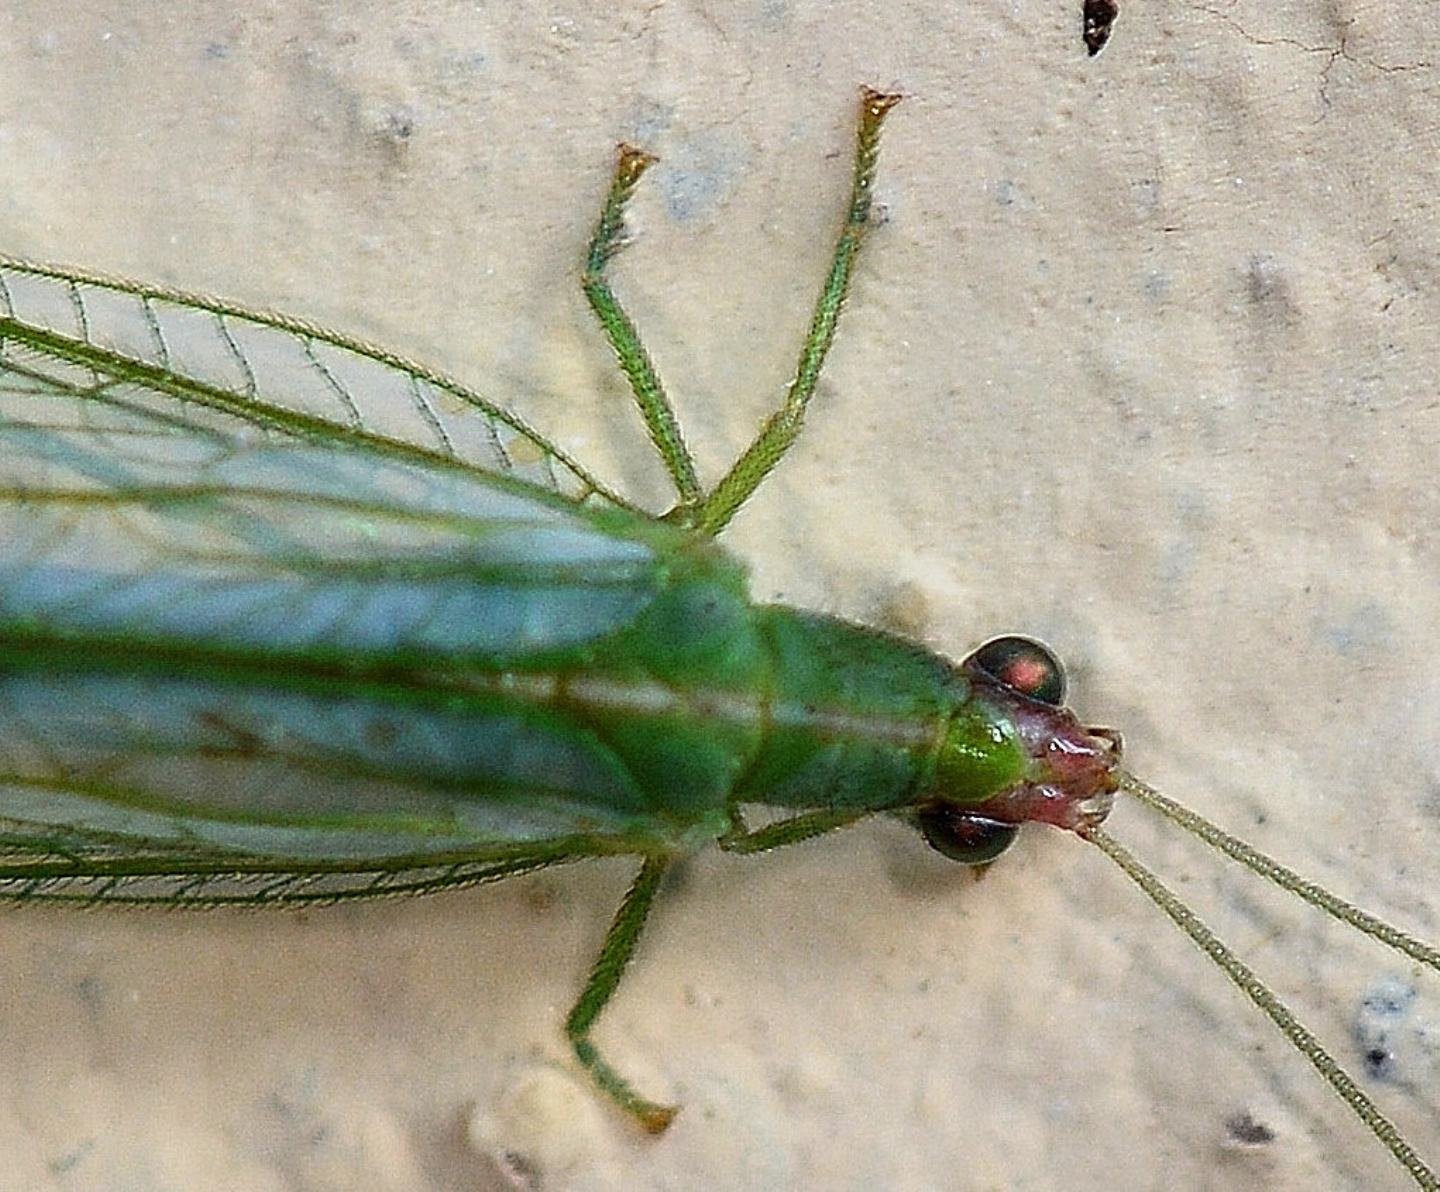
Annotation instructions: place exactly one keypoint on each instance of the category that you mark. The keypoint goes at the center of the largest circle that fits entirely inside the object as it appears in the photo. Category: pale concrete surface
(1144, 360)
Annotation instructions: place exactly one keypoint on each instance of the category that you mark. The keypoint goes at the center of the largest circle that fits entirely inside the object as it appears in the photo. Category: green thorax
(855, 718)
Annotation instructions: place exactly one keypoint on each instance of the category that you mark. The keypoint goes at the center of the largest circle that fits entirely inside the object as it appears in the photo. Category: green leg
(789, 831)
(783, 427)
(604, 977)
(655, 408)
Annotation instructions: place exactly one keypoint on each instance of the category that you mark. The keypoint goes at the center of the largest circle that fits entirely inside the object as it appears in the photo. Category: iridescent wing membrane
(176, 473)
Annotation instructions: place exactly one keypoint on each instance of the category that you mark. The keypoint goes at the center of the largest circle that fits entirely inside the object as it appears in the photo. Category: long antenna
(1300, 1036)
(1287, 879)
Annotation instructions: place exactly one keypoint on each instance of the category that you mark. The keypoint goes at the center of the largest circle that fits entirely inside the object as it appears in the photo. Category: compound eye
(1024, 665)
(969, 839)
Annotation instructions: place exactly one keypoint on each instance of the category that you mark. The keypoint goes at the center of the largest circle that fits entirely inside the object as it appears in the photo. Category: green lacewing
(286, 619)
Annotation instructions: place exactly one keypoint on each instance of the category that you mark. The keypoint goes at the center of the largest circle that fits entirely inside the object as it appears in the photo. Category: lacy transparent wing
(297, 764)
(196, 354)
(89, 869)
(171, 467)
(262, 591)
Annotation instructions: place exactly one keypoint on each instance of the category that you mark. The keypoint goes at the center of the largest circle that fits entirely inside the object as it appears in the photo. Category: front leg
(655, 408)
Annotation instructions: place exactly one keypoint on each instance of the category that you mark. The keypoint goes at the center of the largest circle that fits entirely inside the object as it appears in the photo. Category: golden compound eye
(1024, 665)
(961, 836)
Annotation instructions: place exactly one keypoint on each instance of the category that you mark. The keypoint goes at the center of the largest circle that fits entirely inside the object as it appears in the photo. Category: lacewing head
(1016, 755)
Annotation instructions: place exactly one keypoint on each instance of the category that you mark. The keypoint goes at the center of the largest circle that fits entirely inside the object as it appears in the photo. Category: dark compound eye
(1023, 665)
(969, 839)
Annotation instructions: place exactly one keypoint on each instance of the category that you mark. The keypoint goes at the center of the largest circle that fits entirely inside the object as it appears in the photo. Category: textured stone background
(1144, 360)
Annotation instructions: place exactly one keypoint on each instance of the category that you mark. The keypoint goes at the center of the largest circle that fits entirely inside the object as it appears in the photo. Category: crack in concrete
(1333, 52)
